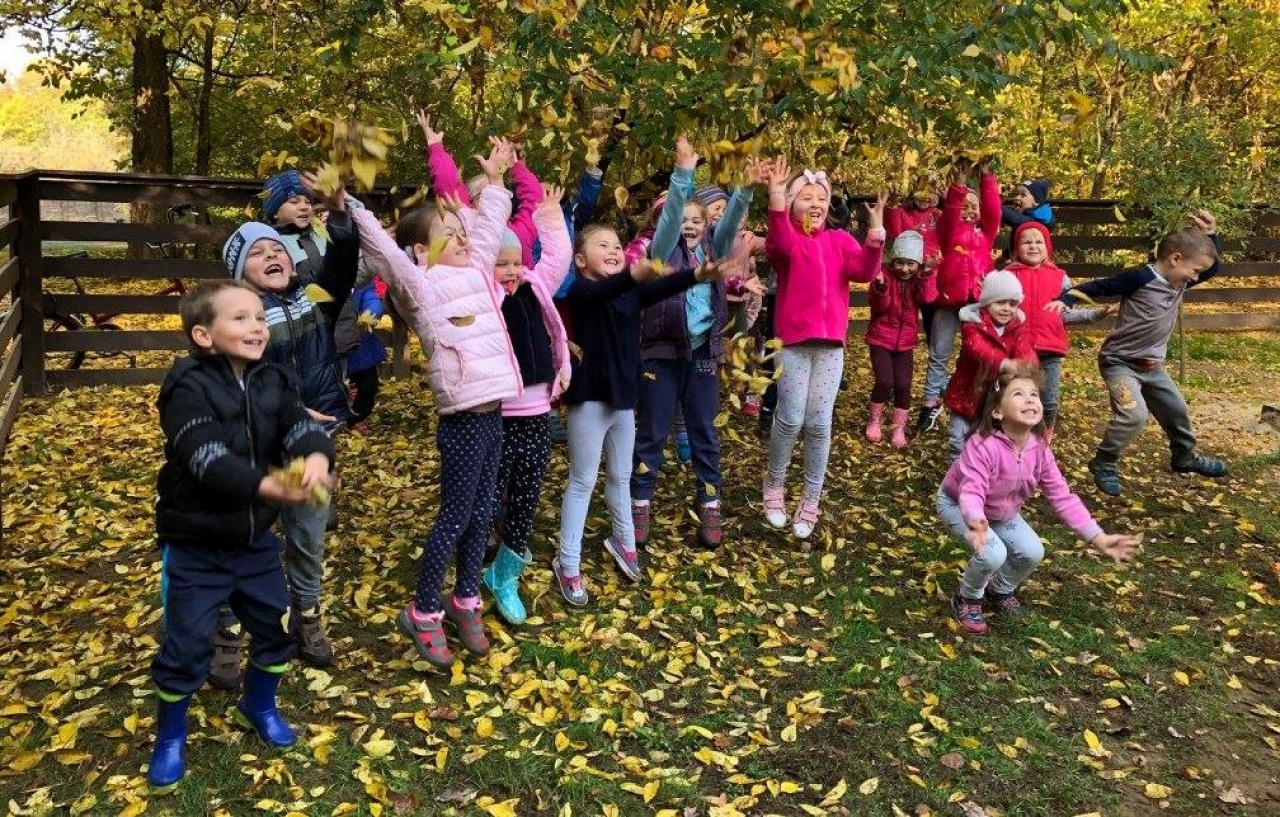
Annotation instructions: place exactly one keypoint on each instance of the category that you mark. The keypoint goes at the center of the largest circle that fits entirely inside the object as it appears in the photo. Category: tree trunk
(204, 138)
(152, 119)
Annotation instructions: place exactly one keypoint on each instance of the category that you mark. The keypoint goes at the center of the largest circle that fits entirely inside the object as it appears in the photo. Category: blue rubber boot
(684, 452)
(168, 759)
(257, 707)
(503, 580)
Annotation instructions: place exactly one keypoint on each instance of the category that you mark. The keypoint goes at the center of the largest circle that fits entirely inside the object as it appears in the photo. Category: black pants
(195, 582)
(892, 372)
(764, 332)
(526, 448)
(365, 382)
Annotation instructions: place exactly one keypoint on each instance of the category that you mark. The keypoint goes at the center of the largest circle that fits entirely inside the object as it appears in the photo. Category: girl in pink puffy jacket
(895, 298)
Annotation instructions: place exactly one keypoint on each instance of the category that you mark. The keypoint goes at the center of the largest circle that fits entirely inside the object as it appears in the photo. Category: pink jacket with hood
(966, 246)
(992, 479)
(456, 312)
(814, 273)
(445, 178)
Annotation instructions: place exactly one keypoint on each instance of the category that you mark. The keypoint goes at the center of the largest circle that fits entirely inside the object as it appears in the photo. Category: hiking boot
(1004, 603)
(709, 533)
(427, 633)
(806, 518)
(313, 641)
(1105, 476)
(571, 587)
(928, 420)
(775, 507)
(628, 563)
(469, 624)
(1203, 465)
(969, 613)
(224, 668)
(640, 520)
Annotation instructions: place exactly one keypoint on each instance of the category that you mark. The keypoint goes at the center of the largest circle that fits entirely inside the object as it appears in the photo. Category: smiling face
(446, 231)
(1031, 248)
(1179, 270)
(1019, 409)
(904, 267)
(296, 211)
(969, 212)
(1023, 199)
(714, 211)
(812, 201)
(924, 199)
(600, 254)
(268, 266)
(508, 268)
(238, 329)
(693, 226)
(1002, 312)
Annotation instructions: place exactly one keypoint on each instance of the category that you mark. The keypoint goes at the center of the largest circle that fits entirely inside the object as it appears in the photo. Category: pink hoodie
(445, 178)
(966, 247)
(814, 273)
(456, 312)
(992, 479)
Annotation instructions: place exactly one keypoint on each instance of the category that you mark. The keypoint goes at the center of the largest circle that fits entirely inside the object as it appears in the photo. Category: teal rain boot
(168, 759)
(503, 580)
(257, 707)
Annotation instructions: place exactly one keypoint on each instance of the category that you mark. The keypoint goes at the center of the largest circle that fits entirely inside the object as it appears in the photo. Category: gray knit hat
(909, 245)
(237, 247)
(1000, 285)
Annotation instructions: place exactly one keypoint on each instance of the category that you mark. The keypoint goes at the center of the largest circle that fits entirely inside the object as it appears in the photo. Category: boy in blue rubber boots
(228, 417)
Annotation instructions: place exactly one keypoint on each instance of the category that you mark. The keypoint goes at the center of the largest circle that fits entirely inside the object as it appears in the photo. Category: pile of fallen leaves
(750, 681)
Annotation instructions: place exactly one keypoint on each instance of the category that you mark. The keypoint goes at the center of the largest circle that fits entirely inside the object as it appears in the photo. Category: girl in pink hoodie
(1004, 462)
(814, 267)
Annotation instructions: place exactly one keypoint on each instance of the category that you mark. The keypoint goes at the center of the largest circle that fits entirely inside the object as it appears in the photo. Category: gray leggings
(595, 429)
(1011, 552)
(806, 399)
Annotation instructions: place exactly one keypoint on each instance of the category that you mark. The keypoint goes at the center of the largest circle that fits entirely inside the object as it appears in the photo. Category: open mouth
(613, 262)
(274, 269)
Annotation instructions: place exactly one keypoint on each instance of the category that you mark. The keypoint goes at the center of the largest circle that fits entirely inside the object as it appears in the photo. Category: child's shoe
(427, 634)
(709, 533)
(224, 668)
(313, 641)
(928, 418)
(629, 563)
(775, 508)
(1004, 603)
(684, 452)
(469, 624)
(806, 518)
(969, 613)
(257, 707)
(168, 758)
(875, 429)
(899, 437)
(764, 426)
(751, 406)
(1105, 476)
(571, 587)
(502, 577)
(640, 520)
(1200, 464)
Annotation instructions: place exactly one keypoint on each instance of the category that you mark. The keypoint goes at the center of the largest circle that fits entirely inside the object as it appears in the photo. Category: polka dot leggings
(470, 445)
(526, 448)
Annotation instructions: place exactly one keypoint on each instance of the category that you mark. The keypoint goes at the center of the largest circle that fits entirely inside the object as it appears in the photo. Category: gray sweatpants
(1011, 552)
(1137, 394)
(806, 399)
(595, 429)
(942, 342)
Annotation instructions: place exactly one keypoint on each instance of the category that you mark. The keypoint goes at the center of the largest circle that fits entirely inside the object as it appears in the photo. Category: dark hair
(580, 238)
(1187, 242)
(1020, 371)
(414, 227)
(196, 307)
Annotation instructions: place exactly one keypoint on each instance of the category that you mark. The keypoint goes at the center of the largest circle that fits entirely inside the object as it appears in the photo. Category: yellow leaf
(1234, 683)
(1119, 216)
(1007, 750)
(1092, 740)
(441, 756)
(466, 48)
(828, 562)
(379, 748)
(1181, 678)
(651, 790)
(789, 733)
(507, 808)
(484, 727)
(134, 809)
(869, 786)
(1155, 791)
(26, 761)
(620, 196)
(318, 294)
(971, 51)
(84, 804)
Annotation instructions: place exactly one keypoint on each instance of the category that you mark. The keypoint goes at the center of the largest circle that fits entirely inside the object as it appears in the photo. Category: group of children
(495, 285)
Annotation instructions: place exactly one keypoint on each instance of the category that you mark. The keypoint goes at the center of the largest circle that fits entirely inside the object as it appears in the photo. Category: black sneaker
(928, 418)
(1004, 603)
(1105, 476)
(764, 425)
(1202, 465)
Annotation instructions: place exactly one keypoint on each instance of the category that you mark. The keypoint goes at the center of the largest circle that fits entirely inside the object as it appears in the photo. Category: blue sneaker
(1105, 476)
(684, 452)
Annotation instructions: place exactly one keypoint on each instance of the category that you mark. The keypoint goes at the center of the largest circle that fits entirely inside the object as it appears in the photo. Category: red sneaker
(709, 534)
(969, 613)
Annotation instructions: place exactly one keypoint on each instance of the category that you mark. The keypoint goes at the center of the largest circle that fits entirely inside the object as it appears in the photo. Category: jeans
(960, 428)
(1011, 552)
(304, 529)
(942, 342)
(1051, 367)
(1135, 395)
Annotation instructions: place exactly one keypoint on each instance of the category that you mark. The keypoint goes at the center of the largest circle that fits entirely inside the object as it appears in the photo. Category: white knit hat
(909, 245)
(236, 250)
(1000, 285)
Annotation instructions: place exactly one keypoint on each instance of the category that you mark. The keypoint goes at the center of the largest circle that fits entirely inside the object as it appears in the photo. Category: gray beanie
(237, 247)
(909, 245)
(1000, 285)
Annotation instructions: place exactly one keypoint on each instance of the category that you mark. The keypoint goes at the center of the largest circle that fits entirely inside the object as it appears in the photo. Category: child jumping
(227, 416)
(450, 298)
(994, 339)
(1132, 356)
(893, 331)
(814, 266)
(1004, 462)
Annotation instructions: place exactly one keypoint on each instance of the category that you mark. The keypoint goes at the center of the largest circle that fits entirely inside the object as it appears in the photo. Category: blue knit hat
(237, 247)
(710, 195)
(280, 188)
(1038, 188)
(510, 241)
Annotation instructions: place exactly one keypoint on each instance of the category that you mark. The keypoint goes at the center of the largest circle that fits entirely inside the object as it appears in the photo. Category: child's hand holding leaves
(686, 158)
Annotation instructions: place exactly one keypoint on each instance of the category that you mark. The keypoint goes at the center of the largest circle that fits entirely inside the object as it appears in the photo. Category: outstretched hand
(552, 194)
(646, 269)
(686, 158)
(500, 159)
(1204, 221)
(432, 136)
(335, 201)
(875, 211)
(450, 201)
(1118, 546)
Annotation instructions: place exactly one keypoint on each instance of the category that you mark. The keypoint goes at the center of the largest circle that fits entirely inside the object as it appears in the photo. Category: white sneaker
(775, 508)
(806, 518)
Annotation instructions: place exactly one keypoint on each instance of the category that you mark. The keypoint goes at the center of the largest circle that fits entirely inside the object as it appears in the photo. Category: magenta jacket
(445, 178)
(814, 273)
(991, 480)
(895, 309)
(966, 247)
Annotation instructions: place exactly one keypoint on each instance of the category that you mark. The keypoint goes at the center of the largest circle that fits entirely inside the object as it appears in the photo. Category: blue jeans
(1136, 394)
(1011, 552)
(1051, 367)
(690, 385)
(942, 342)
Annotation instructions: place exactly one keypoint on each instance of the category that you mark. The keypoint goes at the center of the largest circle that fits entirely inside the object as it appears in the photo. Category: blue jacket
(1042, 213)
(369, 350)
(577, 214)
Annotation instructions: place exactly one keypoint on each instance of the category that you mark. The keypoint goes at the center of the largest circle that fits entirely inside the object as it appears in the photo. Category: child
(301, 341)
(995, 338)
(442, 282)
(966, 232)
(604, 307)
(1042, 281)
(361, 349)
(289, 208)
(227, 416)
(893, 331)
(1030, 203)
(814, 266)
(1132, 356)
(541, 348)
(1004, 462)
(680, 347)
(920, 214)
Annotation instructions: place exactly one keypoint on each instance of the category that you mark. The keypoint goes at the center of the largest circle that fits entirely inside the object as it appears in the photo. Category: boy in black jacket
(227, 416)
(301, 340)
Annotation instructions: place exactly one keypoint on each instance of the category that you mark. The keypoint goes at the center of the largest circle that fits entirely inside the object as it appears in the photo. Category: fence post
(31, 283)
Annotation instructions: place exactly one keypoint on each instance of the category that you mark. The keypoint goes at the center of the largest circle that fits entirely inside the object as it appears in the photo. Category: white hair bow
(819, 177)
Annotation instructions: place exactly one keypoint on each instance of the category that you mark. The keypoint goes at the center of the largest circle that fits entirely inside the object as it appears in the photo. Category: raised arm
(446, 180)
(864, 262)
(666, 235)
(557, 253)
(989, 206)
(529, 193)
(579, 209)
